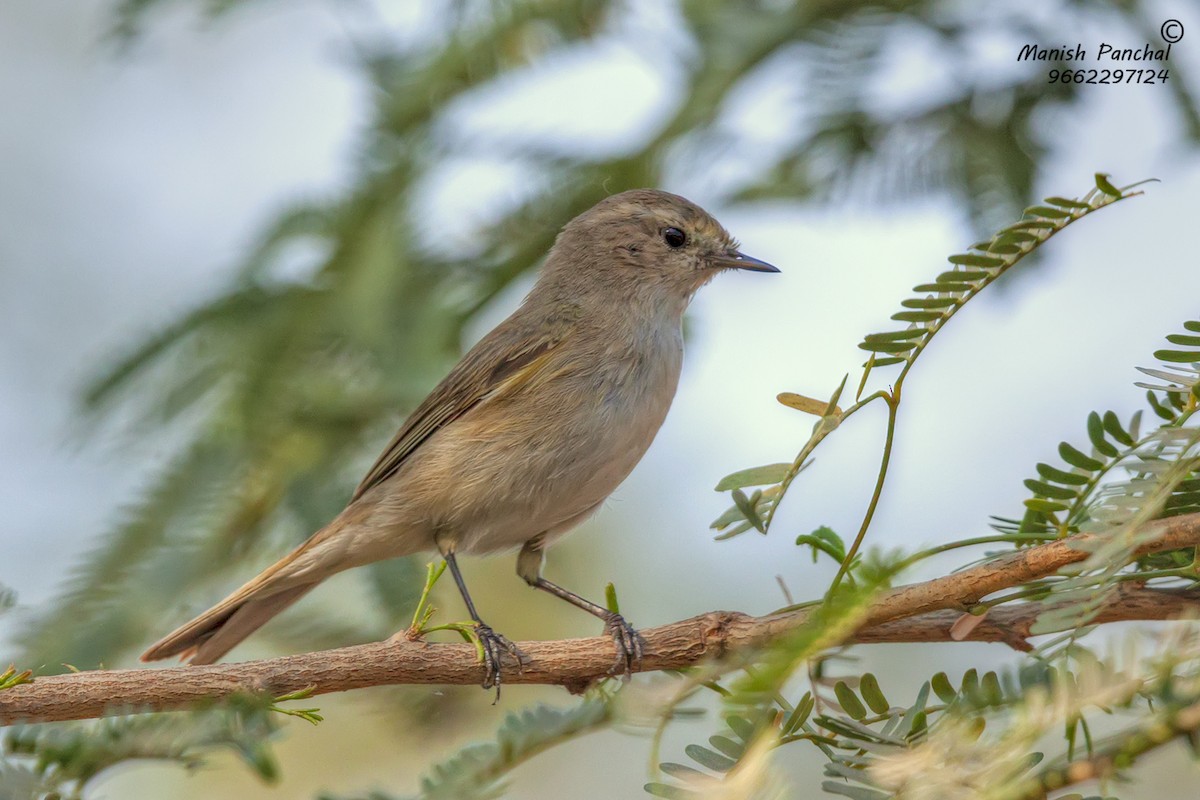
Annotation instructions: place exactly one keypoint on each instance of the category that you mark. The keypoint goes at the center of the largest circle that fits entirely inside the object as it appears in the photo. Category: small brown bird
(530, 431)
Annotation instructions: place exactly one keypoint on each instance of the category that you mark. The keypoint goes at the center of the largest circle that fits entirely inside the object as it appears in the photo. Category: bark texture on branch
(1011, 624)
(920, 612)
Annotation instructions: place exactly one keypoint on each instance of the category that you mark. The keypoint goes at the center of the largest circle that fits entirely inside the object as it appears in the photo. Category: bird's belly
(523, 466)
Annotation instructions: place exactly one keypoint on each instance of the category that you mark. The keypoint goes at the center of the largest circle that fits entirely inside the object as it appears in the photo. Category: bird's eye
(674, 237)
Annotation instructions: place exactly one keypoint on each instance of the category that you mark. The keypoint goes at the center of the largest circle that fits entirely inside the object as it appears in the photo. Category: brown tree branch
(1011, 624)
(916, 612)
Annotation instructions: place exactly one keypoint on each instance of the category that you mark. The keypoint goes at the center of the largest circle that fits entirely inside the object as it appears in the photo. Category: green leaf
(1192, 325)
(10, 677)
(1162, 411)
(929, 302)
(748, 509)
(970, 684)
(992, 693)
(868, 686)
(1103, 185)
(894, 336)
(1113, 426)
(1183, 339)
(800, 714)
(1045, 506)
(956, 288)
(1049, 490)
(736, 530)
(1059, 476)
(1005, 249)
(708, 758)
(730, 516)
(1036, 224)
(975, 260)
(849, 701)
(754, 476)
(1077, 458)
(848, 728)
(832, 407)
(887, 347)
(682, 771)
(969, 275)
(862, 382)
(670, 792)
(916, 316)
(809, 405)
(742, 728)
(1095, 429)
(917, 709)
(1047, 211)
(1175, 356)
(1018, 237)
(835, 551)
(1065, 203)
(829, 540)
(943, 688)
(727, 746)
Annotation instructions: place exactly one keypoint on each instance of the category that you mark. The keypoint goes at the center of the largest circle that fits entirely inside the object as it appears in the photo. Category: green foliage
(310, 715)
(725, 751)
(755, 710)
(827, 625)
(971, 273)
(1064, 495)
(476, 772)
(980, 737)
(976, 737)
(285, 386)
(975, 270)
(10, 677)
(282, 388)
(1085, 494)
(824, 540)
(59, 759)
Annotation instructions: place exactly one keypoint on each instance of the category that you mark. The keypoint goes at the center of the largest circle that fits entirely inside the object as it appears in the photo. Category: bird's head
(646, 241)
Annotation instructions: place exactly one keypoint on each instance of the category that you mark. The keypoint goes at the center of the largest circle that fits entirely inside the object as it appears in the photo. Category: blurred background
(239, 240)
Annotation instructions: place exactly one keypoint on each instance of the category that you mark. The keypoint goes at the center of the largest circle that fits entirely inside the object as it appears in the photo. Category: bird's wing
(491, 368)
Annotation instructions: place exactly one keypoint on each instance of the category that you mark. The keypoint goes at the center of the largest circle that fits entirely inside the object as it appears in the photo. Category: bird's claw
(494, 646)
(628, 642)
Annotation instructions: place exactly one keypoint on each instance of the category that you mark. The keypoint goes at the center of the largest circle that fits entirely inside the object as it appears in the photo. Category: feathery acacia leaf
(975, 271)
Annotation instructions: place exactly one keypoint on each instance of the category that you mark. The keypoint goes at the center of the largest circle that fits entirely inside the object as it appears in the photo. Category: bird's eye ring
(674, 237)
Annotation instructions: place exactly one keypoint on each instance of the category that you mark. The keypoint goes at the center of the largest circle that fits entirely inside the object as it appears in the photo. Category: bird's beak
(739, 260)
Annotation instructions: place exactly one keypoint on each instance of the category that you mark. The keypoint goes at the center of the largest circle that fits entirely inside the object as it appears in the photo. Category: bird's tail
(217, 631)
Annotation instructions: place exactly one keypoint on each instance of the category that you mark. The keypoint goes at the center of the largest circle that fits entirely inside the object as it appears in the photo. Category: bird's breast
(520, 465)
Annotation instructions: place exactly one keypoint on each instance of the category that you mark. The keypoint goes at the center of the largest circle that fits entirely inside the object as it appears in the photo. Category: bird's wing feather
(492, 367)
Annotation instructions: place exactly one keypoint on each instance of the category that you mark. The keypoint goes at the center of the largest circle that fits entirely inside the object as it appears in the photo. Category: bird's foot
(628, 642)
(494, 646)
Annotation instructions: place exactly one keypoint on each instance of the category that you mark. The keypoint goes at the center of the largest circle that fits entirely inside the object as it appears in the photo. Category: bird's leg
(493, 644)
(626, 639)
